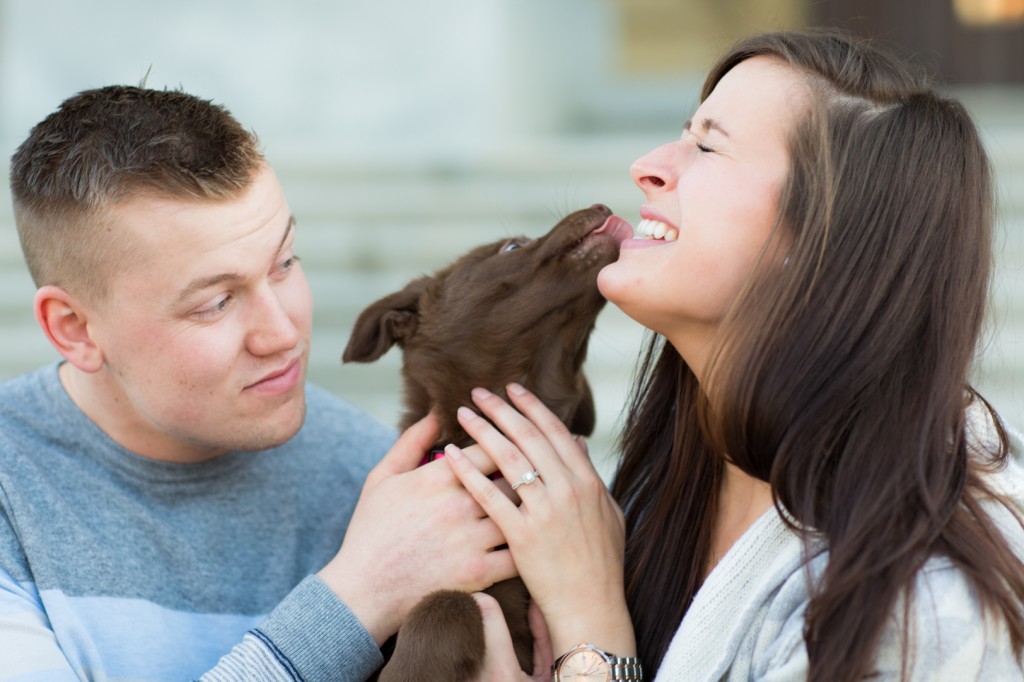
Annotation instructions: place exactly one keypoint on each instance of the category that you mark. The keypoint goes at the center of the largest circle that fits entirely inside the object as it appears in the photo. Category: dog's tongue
(617, 228)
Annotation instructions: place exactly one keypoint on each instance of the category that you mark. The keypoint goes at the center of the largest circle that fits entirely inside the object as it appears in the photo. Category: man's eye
(289, 263)
(214, 309)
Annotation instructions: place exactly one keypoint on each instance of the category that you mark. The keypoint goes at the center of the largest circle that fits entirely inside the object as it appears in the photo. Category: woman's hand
(500, 663)
(567, 537)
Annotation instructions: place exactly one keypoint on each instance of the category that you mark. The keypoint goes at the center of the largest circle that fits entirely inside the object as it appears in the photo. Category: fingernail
(466, 413)
(516, 389)
(451, 450)
(481, 393)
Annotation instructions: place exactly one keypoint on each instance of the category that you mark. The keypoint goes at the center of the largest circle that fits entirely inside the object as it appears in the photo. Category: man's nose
(272, 329)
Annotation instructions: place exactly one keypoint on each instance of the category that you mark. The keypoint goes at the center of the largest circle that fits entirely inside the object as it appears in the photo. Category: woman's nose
(655, 171)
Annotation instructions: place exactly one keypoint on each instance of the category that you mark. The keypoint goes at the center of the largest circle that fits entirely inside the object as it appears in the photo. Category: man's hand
(414, 530)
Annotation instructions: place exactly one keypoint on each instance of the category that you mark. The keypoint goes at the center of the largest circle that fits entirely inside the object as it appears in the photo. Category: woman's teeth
(655, 229)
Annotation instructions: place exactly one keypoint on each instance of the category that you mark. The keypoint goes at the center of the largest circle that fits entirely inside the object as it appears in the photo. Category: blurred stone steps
(370, 222)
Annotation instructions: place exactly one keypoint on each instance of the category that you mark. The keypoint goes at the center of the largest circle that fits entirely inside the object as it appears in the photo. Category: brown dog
(519, 310)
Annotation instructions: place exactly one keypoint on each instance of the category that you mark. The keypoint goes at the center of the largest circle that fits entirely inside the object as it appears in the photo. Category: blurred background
(406, 132)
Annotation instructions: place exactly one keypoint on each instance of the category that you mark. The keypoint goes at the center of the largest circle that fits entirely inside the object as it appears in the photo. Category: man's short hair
(105, 146)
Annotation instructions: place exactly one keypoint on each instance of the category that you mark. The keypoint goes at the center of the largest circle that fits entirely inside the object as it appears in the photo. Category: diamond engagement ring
(528, 478)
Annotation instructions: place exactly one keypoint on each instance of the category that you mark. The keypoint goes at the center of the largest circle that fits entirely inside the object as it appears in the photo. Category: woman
(812, 490)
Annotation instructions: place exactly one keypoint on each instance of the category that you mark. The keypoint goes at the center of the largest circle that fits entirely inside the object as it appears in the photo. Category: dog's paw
(442, 639)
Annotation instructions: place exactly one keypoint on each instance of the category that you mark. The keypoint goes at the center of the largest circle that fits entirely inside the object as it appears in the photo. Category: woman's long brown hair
(841, 378)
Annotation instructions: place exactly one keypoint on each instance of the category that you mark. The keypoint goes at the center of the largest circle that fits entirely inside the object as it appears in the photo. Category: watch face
(584, 666)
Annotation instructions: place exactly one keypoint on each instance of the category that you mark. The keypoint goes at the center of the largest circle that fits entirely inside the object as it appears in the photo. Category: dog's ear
(390, 320)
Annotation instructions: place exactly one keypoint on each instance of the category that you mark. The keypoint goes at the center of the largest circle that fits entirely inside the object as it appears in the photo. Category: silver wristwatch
(588, 663)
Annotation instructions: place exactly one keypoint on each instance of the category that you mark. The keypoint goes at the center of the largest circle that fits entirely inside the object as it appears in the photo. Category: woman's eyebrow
(707, 124)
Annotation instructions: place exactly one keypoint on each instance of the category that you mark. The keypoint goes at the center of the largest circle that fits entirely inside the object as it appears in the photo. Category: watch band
(623, 668)
(626, 669)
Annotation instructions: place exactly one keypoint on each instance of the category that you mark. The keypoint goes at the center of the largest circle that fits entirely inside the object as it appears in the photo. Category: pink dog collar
(435, 455)
(431, 456)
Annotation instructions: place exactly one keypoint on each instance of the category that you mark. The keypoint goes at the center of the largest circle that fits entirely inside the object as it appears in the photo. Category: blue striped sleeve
(310, 636)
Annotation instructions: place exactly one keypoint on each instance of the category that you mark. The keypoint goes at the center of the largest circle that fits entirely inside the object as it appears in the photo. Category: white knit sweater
(746, 622)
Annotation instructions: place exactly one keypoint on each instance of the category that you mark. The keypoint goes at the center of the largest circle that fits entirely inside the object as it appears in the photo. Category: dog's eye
(510, 246)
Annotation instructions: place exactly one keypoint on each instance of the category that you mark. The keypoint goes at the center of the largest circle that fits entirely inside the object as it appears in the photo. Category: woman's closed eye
(699, 143)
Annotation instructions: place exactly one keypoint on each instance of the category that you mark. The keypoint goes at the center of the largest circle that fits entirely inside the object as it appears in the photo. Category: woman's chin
(609, 282)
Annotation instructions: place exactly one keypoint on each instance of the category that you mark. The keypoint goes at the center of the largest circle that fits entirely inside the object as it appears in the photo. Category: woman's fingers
(500, 663)
(530, 443)
(539, 434)
(507, 452)
(578, 519)
(555, 431)
(489, 496)
(479, 458)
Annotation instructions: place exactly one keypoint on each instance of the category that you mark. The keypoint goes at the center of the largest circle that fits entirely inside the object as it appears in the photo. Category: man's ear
(66, 324)
(393, 319)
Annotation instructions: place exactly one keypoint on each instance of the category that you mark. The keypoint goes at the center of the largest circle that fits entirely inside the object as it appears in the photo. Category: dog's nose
(602, 208)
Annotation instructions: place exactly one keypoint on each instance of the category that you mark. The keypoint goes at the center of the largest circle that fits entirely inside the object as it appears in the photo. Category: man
(173, 496)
